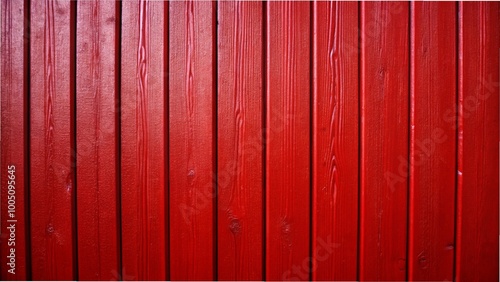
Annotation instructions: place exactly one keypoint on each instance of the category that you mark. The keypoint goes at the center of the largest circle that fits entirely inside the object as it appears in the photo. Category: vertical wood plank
(143, 131)
(433, 141)
(335, 139)
(14, 119)
(96, 141)
(240, 183)
(477, 211)
(52, 140)
(384, 140)
(288, 141)
(192, 144)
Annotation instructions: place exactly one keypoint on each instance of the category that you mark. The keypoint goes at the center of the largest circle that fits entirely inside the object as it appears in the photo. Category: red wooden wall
(247, 140)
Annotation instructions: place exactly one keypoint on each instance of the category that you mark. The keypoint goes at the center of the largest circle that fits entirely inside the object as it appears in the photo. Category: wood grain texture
(14, 137)
(247, 140)
(433, 141)
(384, 140)
(240, 183)
(52, 181)
(335, 139)
(288, 140)
(97, 140)
(477, 211)
(143, 140)
(192, 140)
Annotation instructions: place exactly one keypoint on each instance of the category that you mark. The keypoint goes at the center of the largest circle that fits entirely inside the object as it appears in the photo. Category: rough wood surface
(97, 138)
(192, 140)
(477, 199)
(335, 140)
(384, 140)
(287, 140)
(52, 140)
(240, 150)
(14, 111)
(433, 141)
(143, 141)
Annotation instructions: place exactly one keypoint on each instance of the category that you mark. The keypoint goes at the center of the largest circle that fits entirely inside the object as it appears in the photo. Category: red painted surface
(432, 141)
(335, 140)
(287, 140)
(191, 140)
(239, 141)
(52, 140)
(478, 78)
(384, 97)
(192, 133)
(14, 139)
(97, 140)
(144, 193)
